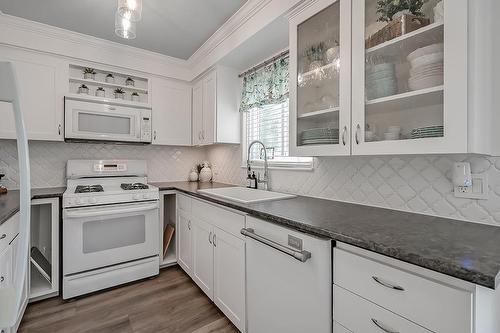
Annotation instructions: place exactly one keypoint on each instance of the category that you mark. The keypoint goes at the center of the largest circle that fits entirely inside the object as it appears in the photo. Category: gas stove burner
(134, 186)
(88, 188)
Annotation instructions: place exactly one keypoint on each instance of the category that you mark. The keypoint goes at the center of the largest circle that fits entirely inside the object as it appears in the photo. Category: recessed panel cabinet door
(229, 272)
(171, 115)
(203, 256)
(185, 249)
(209, 108)
(41, 81)
(197, 113)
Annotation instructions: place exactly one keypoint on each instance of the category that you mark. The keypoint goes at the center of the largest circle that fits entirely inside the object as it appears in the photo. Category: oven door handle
(108, 211)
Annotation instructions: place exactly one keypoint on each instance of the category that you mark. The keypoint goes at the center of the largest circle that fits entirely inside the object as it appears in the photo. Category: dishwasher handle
(302, 256)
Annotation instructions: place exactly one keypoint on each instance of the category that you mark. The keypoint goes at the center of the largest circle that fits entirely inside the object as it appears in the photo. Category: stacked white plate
(381, 81)
(319, 136)
(426, 67)
(427, 132)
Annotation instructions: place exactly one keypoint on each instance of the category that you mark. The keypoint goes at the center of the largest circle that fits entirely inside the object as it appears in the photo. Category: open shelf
(318, 113)
(114, 101)
(105, 84)
(428, 96)
(407, 43)
(39, 285)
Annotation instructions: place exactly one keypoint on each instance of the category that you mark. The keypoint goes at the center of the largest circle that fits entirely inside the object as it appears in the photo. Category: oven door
(104, 122)
(95, 237)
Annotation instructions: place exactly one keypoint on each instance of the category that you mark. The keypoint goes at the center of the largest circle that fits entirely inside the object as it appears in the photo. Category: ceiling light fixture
(130, 9)
(124, 27)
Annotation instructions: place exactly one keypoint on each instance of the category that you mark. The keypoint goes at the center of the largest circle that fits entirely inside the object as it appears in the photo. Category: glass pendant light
(130, 9)
(124, 27)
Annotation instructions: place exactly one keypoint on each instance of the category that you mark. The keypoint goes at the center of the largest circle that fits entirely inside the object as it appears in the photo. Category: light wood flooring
(169, 303)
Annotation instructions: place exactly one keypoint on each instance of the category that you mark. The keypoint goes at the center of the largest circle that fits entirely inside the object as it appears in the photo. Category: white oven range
(110, 225)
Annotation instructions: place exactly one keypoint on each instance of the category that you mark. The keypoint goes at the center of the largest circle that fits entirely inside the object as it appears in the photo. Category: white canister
(205, 173)
(193, 175)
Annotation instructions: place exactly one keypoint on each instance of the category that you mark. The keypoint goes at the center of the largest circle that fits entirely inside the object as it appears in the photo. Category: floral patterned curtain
(268, 85)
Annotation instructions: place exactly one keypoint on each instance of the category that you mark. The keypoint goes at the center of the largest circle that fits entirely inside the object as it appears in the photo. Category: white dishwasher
(288, 280)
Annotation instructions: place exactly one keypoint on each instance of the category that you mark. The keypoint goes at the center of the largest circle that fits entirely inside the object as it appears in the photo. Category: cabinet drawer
(436, 306)
(362, 316)
(184, 202)
(8, 230)
(221, 218)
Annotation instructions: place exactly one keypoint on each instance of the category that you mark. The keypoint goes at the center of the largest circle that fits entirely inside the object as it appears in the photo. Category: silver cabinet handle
(154, 135)
(387, 284)
(203, 134)
(59, 129)
(199, 135)
(299, 255)
(213, 240)
(382, 327)
(344, 131)
(210, 238)
(189, 225)
(2, 279)
(358, 128)
(3, 236)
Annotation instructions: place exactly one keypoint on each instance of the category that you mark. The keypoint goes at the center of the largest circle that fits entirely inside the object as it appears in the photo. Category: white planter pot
(83, 91)
(193, 176)
(205, 174)
(89, 76)
(119, 96)
(136, 98)
(100, 93)
(110, 79)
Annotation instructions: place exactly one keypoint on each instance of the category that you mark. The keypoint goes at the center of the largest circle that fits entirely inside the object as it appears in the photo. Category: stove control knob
(136, 196)
(70, 202)
(79, 201)
(146, 196)
(92, 200)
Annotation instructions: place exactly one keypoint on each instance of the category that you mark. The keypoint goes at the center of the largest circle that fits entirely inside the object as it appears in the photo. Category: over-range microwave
(96, 121)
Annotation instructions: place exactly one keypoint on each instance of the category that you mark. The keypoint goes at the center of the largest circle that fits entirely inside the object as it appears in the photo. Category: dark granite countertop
(9, 202)
(468, 251)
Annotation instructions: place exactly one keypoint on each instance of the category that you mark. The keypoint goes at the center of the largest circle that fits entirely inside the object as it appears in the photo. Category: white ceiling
(172, 27)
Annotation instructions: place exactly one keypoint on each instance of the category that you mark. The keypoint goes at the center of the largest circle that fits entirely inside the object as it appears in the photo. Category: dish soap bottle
(3, 189)
(249, 178)
(254, 180)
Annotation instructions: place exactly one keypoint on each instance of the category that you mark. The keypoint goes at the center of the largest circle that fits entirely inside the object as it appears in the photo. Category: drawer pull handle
(382, 327)
(210, 238)
(3, 236)
(386, 284)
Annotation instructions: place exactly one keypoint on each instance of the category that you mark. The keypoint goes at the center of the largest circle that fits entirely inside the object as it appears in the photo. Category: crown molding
(244, 14)
(19, 32)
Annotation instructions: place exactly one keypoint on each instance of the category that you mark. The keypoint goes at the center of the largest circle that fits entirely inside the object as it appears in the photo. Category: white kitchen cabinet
(216, 117)
(184, 241)
(215, 251)
(171, 113)
(320, 84)
(380, 97)
(42, 81)
(229, 276)
(203, 256)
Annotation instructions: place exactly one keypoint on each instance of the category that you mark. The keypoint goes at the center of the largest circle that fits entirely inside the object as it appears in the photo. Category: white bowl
(381, 67)
(394, 129)
(428, 82)
(433, 48)
(391, 136)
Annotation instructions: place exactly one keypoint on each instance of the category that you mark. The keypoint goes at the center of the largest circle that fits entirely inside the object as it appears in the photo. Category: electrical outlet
(478, 189)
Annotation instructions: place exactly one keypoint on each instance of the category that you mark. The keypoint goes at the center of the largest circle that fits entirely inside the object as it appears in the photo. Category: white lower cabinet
(213, 254)
(184, 243)
(203, 256)
(229, 276)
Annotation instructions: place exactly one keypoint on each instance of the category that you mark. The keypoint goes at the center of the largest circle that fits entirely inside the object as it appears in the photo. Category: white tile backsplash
(411, 183)
(48, 160)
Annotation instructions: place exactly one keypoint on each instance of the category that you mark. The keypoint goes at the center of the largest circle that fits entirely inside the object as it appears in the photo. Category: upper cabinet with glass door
(409, 75)
(320, 79)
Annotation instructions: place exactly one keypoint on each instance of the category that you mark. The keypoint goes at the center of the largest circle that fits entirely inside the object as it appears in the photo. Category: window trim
(274, 165)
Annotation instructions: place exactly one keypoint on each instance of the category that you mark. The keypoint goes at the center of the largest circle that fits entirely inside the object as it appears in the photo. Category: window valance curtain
(268, 85)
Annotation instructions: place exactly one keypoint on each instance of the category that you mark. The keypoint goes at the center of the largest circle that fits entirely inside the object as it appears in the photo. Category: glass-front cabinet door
(409, 75)
(320, 85)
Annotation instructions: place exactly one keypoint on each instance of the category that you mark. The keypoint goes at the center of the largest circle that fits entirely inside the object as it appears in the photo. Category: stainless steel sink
(245, 195)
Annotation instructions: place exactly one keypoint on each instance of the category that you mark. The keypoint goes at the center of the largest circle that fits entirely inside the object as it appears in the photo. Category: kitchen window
(266, 116)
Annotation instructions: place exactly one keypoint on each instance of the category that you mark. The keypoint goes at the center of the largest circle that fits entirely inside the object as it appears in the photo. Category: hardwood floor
(169, 303)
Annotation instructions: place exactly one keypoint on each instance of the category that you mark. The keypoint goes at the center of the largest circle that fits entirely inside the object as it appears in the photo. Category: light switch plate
(478, 190)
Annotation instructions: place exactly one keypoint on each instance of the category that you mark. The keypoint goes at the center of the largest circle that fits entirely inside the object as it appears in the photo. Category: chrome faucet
(265, 179)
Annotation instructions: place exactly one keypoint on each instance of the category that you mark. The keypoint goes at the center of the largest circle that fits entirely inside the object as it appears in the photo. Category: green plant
(110, 75)
(316, 52)
(84, 86)
(135, 94)
(88, 70)
(388, 8)
(100, 89)
(119, 91)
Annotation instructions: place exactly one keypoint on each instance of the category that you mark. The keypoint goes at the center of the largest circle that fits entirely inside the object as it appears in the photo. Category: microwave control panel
(146, 129)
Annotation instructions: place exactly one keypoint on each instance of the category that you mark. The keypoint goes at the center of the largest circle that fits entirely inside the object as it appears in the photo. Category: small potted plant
(110, 78)
(83, 89)
(100, 92)
(119, 93)
(136, 97)
(129, 82)
(89, 73)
